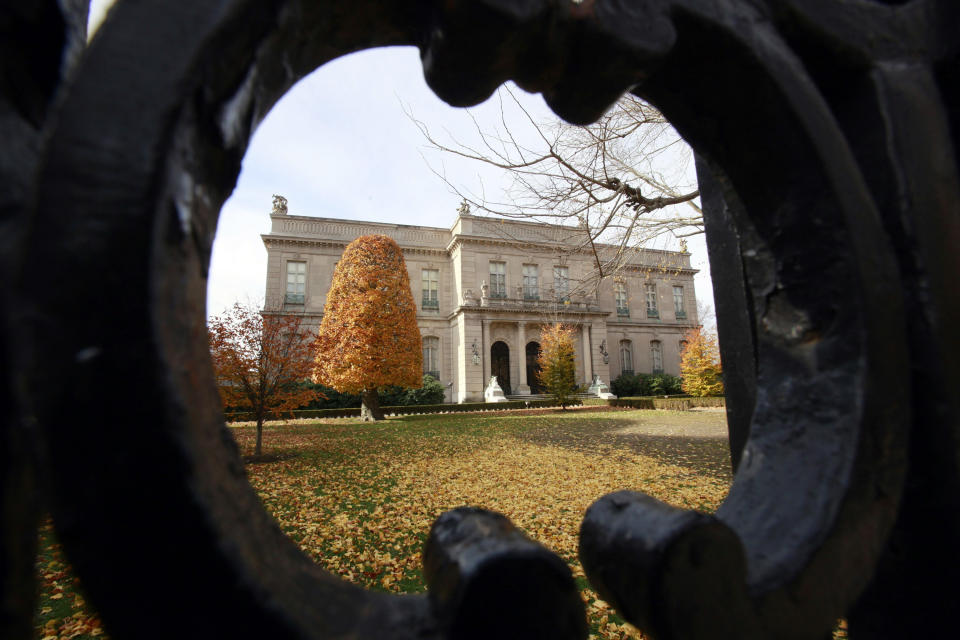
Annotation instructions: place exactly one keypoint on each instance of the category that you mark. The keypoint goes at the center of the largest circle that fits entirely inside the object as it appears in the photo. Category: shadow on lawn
(266, 458)
(678, 444)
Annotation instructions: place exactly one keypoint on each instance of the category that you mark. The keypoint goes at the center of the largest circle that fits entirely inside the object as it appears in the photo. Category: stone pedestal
(600, 389)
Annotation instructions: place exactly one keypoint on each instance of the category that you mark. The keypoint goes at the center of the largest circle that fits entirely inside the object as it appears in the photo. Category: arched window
(656, 356)
(626, 357)
(431, 356)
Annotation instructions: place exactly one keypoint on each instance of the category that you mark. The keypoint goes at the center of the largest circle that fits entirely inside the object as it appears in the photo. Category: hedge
(349, 412)
(595, 402)
(708, 401)
(675, 403)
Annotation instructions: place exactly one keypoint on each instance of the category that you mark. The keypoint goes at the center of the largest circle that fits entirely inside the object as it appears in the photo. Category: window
(683, 346)
(626, 358)
(296, 282)
(531, 290)
(650, 293)
(656, 356)
(431, 357)
(431, 284)
(620, 296)
(498, 280)
(561, 282)
(678, 303)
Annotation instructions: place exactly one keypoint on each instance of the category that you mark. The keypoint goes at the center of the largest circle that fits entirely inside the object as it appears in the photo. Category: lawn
(360, 498)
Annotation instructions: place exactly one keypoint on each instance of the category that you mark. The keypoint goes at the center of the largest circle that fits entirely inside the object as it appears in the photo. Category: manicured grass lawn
(360, 498)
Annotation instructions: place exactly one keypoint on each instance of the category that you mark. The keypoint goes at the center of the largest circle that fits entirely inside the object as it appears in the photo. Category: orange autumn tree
(260, 361)
(369, 337)
(700, 364)
(557, 360)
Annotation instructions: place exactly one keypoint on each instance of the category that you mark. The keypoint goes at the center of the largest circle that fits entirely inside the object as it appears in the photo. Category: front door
(500, 365)
(533, 368)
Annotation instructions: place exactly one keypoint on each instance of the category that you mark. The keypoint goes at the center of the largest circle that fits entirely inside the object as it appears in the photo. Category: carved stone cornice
(271, 241)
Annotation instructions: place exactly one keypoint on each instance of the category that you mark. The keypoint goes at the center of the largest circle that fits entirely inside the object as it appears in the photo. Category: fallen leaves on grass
(360, 499)
(62, 612)
(361, 503)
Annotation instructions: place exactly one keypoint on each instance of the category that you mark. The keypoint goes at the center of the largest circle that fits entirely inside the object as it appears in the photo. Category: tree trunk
(370, 406)
(259, 448)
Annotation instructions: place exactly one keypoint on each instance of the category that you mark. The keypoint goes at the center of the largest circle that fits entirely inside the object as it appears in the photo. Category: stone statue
(493, 392)
(279, 205)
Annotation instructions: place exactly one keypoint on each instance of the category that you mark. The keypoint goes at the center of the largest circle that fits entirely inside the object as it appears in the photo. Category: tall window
(650, 293)
(531, 289)
(678, 307)
(561, 282)
(656, 356)
(498, 280)
(296, 282)
(431, 356)
(626, 357)
(431, 285)
(620, 296)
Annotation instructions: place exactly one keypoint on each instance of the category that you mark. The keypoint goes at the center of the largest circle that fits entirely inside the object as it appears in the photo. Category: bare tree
(705, 314)
(617, 186)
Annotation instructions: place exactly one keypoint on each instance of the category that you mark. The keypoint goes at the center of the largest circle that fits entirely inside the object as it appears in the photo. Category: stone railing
(536, 304)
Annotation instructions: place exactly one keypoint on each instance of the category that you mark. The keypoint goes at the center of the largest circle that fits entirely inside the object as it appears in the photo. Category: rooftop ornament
(279, 205)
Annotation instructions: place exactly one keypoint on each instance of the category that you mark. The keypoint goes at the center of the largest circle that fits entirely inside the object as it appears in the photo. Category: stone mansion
(483, 288)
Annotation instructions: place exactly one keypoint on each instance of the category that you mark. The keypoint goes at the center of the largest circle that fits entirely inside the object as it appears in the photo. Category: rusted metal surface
(830, 131)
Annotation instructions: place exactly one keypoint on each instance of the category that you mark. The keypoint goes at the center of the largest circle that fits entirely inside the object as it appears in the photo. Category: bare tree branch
(619, 185)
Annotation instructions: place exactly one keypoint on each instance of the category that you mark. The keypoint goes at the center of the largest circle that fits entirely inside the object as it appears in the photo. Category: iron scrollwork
(826, 136)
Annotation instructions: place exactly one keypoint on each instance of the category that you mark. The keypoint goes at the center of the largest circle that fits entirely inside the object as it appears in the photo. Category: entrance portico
(511, 344)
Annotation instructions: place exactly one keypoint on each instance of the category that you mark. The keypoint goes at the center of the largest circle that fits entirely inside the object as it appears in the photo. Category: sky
(340, 144)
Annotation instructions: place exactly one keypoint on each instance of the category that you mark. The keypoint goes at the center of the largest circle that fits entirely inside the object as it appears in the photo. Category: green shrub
(662, 384)
(430, 393)
(626, 385)
(638, 385)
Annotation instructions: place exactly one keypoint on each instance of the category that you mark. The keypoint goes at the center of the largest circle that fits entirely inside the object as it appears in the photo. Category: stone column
(485, 352)
(587, 356)
(523, 388)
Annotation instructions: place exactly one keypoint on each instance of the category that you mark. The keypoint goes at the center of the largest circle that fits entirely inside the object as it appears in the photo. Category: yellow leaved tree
(700, 364)
(368, 336)
(557, 362)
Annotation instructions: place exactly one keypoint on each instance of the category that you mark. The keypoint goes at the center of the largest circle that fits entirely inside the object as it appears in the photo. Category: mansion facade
(485, 286)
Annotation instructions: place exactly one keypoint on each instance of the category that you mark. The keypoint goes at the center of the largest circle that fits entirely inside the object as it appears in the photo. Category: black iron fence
(827, 137)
